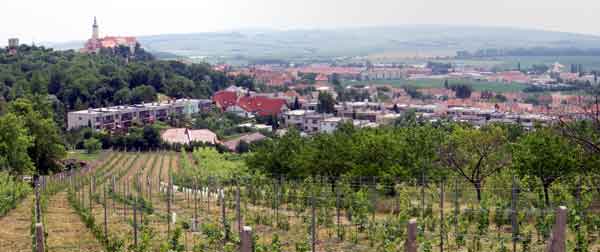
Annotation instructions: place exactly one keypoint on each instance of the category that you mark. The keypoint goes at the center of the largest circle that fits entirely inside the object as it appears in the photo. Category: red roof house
(262, 106)
(225, 99)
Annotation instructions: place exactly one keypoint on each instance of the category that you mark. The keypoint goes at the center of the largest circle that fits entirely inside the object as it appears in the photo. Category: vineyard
(199, 201)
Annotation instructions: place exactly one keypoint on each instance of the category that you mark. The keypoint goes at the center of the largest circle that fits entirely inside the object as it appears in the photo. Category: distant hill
(397, 40)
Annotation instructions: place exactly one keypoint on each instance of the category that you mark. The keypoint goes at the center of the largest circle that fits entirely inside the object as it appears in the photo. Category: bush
(12, 191)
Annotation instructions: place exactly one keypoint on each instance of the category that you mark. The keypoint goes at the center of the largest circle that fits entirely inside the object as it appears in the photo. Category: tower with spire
(95, 43)
(95, 31)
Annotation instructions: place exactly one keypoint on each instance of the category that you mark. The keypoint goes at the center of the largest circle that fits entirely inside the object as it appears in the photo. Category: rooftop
(114, 109)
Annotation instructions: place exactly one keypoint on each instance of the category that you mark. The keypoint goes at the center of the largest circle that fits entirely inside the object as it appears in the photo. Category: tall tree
(476, 154)
(545, 155)
(14, 143)
(47, 147)
(326, 103)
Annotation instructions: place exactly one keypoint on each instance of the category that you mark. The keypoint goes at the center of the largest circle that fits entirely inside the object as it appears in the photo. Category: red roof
(263, 106)
(225, 99)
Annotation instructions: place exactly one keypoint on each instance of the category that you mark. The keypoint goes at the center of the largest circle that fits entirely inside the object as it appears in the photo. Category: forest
(73, 81)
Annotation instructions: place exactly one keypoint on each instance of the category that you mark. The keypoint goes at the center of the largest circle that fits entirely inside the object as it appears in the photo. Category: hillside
(399, 40)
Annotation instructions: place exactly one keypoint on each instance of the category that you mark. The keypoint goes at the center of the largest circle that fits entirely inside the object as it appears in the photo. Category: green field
(82, 155)
(497, 87)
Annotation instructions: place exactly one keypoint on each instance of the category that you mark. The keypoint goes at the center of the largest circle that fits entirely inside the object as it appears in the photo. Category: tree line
(414, 150)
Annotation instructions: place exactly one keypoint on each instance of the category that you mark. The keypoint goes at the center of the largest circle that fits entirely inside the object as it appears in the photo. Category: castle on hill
(95, 43)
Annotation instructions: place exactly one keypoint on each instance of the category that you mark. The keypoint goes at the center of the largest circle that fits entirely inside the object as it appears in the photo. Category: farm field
(15, 228)
(132, 191)
(65, 230)
(497, 87)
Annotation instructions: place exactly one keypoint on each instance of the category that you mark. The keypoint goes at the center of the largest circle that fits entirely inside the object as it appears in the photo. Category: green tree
(92, 145)
(278, 156)
(123, 96)
(326, 103)
(47, 147)
(476, 154)
(142, 94)
(14, 143)
(545, 155)
(462, 91)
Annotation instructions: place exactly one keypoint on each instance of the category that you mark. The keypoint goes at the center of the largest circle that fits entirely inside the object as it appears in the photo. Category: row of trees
(414, 150)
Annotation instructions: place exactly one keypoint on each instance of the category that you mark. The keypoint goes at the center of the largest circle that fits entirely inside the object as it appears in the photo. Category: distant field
(477, 85)
(588, 62)
(82, 155)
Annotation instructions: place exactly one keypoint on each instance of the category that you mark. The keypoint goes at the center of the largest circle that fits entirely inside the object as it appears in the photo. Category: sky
(68, 20)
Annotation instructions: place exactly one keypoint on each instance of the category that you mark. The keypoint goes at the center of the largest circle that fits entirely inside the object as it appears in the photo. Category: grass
(82, 155)
(15, 227)
(497, 87)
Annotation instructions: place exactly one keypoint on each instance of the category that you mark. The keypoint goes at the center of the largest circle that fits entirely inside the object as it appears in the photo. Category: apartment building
(117, 117)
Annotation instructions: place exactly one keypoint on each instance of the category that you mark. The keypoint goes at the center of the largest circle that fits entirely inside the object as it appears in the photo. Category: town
(405, 138)
(290, 95)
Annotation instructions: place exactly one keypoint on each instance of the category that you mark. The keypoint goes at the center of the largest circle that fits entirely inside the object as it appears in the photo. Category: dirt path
(66, 231)
(15, 228)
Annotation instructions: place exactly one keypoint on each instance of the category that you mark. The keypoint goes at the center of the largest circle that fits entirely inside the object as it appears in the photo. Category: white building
(116, 117)
(295, 118)
(329, 125)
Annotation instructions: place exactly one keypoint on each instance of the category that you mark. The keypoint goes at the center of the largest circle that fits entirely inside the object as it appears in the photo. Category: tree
(242, 147)
(419, 148)
(335, 80)
(152, 136)
(14, 143)
(142, 94)
(92, 145)
(585, 133)
(546, 155)
(500, 98)
(123, 96)
(326, 103)
(244, 81)
(296, 104)
(413, 92)
(476, 154)
(47, 147)
(278, 156)
(462, 91)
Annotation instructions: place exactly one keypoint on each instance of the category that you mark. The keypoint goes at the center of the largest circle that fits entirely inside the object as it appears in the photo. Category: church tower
(95, 32)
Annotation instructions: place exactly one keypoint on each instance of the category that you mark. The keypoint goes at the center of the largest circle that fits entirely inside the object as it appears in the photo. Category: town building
(95, 43)
(295, 118)
(119, 117)
(13, 42)
(329, 125)
(13, 46)
(249, 105)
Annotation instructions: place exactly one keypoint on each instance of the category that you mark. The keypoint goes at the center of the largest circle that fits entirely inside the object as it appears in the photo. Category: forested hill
(79, 81)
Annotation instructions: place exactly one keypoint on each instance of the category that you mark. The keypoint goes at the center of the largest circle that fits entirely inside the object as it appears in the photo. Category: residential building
(118, 117)
(249, 105)
(311, 123)
(295, 118)
(329, 125)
